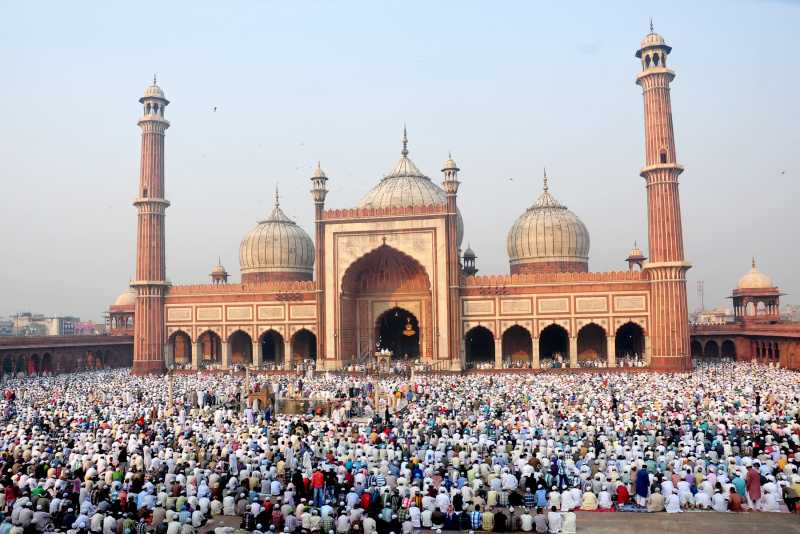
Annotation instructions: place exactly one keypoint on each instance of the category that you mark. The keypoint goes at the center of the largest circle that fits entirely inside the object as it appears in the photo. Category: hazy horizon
(509, 88)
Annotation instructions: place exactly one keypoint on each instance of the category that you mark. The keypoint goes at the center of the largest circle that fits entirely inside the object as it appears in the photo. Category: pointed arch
(629, 340)
(592, 343)
(181, 344)
(272, 347)
(397, 330)
(554, 343)
(517, 345)
(711, 349)
(479, 346)
(304, 346)
(385, 273)
(210, 348)
(241, 347)
(728, 349)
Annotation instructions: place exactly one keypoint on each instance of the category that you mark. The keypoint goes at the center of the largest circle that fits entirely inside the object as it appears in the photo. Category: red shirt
(318, 479)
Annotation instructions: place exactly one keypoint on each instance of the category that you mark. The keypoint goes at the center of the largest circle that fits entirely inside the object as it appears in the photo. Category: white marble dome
(548, 233)
(652, 39)
(128, 298)
(405, 186)
(755, 279)
(276, 247)
(154, 91)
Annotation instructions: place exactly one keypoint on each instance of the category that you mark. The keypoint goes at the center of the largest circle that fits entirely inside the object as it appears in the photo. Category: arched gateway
(385, 304)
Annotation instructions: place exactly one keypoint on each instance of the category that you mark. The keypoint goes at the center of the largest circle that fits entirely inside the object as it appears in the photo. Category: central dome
(276, 249)
(548, 238)
(405, 186)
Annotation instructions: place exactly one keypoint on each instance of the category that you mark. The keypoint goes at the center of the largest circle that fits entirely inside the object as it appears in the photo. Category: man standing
(753, 483)
(642, 486)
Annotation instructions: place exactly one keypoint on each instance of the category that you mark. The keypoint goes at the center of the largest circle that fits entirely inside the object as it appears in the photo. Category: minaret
(319, 191)
(669, 322)
(151, 282)
(450, 185)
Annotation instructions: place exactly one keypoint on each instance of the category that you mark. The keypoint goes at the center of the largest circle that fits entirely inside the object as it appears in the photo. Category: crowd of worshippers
(109, 452)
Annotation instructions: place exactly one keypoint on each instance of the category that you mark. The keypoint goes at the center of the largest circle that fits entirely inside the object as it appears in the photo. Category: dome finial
(404, 152)
(651, 24)
(154, 79)
(277, 197)
(754, 262)
(545, 179)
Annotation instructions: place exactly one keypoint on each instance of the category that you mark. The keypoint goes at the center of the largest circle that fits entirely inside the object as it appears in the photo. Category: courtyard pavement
(643, 523)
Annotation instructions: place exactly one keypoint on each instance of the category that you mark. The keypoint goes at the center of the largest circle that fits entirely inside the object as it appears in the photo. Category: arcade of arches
(54, 361)
(553, 347)
(269, 350)
(386, 295)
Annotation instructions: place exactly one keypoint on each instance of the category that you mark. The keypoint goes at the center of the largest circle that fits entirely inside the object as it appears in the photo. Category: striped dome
(548, 233)
(276, 248)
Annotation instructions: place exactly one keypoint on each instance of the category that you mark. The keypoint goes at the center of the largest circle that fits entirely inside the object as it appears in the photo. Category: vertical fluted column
(669, 324)
(318, 192)
(319, 275)
(450, 185)
(150, 282)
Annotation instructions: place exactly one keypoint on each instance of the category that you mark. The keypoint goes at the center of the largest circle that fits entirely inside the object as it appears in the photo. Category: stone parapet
(278, 286)
(548, 277)
(366, 213)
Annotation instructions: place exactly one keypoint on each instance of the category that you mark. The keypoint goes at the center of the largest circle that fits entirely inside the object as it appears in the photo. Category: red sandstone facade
(387, 273)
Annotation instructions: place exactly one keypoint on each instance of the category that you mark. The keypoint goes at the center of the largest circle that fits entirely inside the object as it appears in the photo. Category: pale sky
(508, 87)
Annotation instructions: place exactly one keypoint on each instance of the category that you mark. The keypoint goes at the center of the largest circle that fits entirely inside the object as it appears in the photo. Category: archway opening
(629, 341)
(210, 348)
(728, 349)
(8, 365)
(711, 349)
(554, 345)
(479, 345)
(517, 346)
(304, 346)
(592, 344)
(47, 364)
(271, 348)
(697, 349)
(241, 345)
(181, 348)
(385, 274)
(397, 330)
(22, 365)
(33, 365)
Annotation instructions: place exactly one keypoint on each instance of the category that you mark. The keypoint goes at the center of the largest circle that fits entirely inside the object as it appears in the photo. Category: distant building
(36, 324)
(756, 331)
(713, 316)
(791, 313)
(6, 327)
(60, 326)
(89, 328)
(29, 324)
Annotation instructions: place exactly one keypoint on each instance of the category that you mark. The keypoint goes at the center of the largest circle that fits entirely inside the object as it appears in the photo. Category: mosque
(389, 276)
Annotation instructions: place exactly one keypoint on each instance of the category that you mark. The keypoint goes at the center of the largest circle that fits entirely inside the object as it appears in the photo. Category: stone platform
(642, 523)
